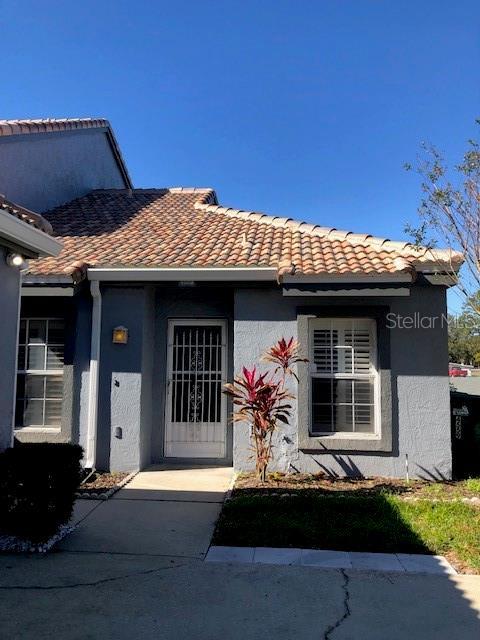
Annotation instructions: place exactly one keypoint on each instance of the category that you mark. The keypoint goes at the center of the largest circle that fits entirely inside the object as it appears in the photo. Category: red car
(457, 372)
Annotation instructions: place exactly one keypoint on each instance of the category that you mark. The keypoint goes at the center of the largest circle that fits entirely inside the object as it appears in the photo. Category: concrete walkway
(163, 511)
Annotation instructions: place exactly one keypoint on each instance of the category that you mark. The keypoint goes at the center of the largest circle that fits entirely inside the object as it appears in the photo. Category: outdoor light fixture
(16, 260)
(120, 335)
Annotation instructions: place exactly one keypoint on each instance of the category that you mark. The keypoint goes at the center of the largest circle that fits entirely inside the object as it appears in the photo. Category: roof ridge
(330, 233)
(42, 125)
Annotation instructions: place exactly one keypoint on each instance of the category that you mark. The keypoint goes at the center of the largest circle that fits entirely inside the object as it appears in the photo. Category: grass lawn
(358, 516)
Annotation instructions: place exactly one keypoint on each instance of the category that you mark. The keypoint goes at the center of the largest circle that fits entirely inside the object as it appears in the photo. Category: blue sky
(307, 109)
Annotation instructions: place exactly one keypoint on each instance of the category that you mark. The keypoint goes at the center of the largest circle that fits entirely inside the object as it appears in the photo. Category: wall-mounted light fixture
(120, 335)
(16, 260)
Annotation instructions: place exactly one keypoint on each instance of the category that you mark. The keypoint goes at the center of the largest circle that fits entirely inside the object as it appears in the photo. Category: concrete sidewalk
(162, 511)
(329, 559)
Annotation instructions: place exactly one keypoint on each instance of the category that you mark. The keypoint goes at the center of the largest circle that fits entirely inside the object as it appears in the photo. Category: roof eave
(28, 237)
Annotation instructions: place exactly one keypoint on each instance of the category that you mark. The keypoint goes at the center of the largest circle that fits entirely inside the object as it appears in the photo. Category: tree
(262, 400)
(450, 212)
(464, 333)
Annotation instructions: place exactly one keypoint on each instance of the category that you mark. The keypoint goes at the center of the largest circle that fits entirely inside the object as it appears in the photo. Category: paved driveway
(135, 569)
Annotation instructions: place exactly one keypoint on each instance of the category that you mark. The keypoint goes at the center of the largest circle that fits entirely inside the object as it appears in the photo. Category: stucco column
(10, 290)
(124, 401)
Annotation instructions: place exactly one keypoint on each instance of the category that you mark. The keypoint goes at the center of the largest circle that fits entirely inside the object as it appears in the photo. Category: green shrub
(37, 488)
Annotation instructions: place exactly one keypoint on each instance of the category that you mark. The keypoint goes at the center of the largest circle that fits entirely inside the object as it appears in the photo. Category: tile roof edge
(420, 254)
(48, 125)
(30, 217)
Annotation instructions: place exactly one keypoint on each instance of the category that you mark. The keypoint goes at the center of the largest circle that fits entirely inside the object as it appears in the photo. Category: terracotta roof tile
(25, 215)
(187, 227)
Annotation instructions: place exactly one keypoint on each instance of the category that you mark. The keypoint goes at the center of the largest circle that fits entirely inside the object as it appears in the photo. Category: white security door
(195, 425)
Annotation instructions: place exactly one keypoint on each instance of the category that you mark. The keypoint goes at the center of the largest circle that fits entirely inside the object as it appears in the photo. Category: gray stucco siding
(10, 291)
(41, 171)
(133, 377)
(124, 378)
(415, 397)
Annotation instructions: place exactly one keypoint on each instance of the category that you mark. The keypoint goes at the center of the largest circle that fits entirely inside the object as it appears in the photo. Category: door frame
(192, 321)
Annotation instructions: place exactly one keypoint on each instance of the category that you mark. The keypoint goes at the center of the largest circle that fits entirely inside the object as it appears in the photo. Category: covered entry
(196, 409)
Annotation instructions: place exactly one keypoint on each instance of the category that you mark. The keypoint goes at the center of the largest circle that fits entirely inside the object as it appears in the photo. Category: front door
(195, 425)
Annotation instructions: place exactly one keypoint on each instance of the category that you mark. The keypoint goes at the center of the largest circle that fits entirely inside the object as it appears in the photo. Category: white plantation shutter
(344, 376)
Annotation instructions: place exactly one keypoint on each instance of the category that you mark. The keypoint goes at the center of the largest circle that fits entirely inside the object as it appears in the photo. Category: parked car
(457, 372)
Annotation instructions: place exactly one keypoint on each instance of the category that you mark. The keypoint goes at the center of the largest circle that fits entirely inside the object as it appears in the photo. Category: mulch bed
(100, 483)
(247, 483)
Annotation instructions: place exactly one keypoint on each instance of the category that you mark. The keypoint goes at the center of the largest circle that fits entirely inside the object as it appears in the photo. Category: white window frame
(39, 372)
(324, 323)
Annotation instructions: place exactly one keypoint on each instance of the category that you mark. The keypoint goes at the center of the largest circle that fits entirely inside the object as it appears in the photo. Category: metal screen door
(196, 407)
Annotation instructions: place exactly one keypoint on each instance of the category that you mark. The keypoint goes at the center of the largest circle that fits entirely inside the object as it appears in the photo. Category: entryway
(196, 408)
(163, 511)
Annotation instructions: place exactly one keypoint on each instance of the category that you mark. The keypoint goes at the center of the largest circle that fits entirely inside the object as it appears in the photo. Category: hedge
(37, 488)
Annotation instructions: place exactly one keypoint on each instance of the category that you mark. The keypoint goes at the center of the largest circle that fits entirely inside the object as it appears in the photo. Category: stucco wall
(41, 171)
(419, 385)
(10, 284)
(122, 435)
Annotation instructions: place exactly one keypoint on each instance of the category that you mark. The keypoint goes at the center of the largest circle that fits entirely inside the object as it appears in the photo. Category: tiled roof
(187, 228)
(31, 218)
(49, 125)
(44, 125)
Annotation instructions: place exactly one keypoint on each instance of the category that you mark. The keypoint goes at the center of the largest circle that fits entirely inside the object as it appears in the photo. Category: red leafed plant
(262, 400)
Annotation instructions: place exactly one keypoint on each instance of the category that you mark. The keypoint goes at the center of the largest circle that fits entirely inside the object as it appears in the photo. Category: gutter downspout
(91, 452)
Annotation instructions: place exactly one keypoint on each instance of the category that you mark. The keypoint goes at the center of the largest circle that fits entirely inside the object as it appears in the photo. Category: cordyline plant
(263, 401)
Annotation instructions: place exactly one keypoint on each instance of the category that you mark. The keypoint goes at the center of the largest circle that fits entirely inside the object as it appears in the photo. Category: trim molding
(221, 274)
(30, 291)
(91, 449)
(346, 293)
(361, 278)
(26, 236)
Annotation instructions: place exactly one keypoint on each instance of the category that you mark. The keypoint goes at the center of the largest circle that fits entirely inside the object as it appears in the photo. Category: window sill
(346, 435)
(351, 442)
(37, 430)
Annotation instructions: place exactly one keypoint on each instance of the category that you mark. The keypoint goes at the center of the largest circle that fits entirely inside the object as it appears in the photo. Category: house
(160, 295)
(43, 163)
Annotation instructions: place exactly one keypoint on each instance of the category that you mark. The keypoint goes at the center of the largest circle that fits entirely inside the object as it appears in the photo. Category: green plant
(262, 399)
(37, 488)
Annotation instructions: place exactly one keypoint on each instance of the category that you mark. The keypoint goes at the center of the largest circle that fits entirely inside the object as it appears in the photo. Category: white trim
(46, 291)
(47, 279)
(347, 277)
(201, 274)
(38, 430)
(91, 446)
(348, 293)
(27, 236)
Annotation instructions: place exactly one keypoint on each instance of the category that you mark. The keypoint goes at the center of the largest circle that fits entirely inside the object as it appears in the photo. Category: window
(40, 373)
(344, 380)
